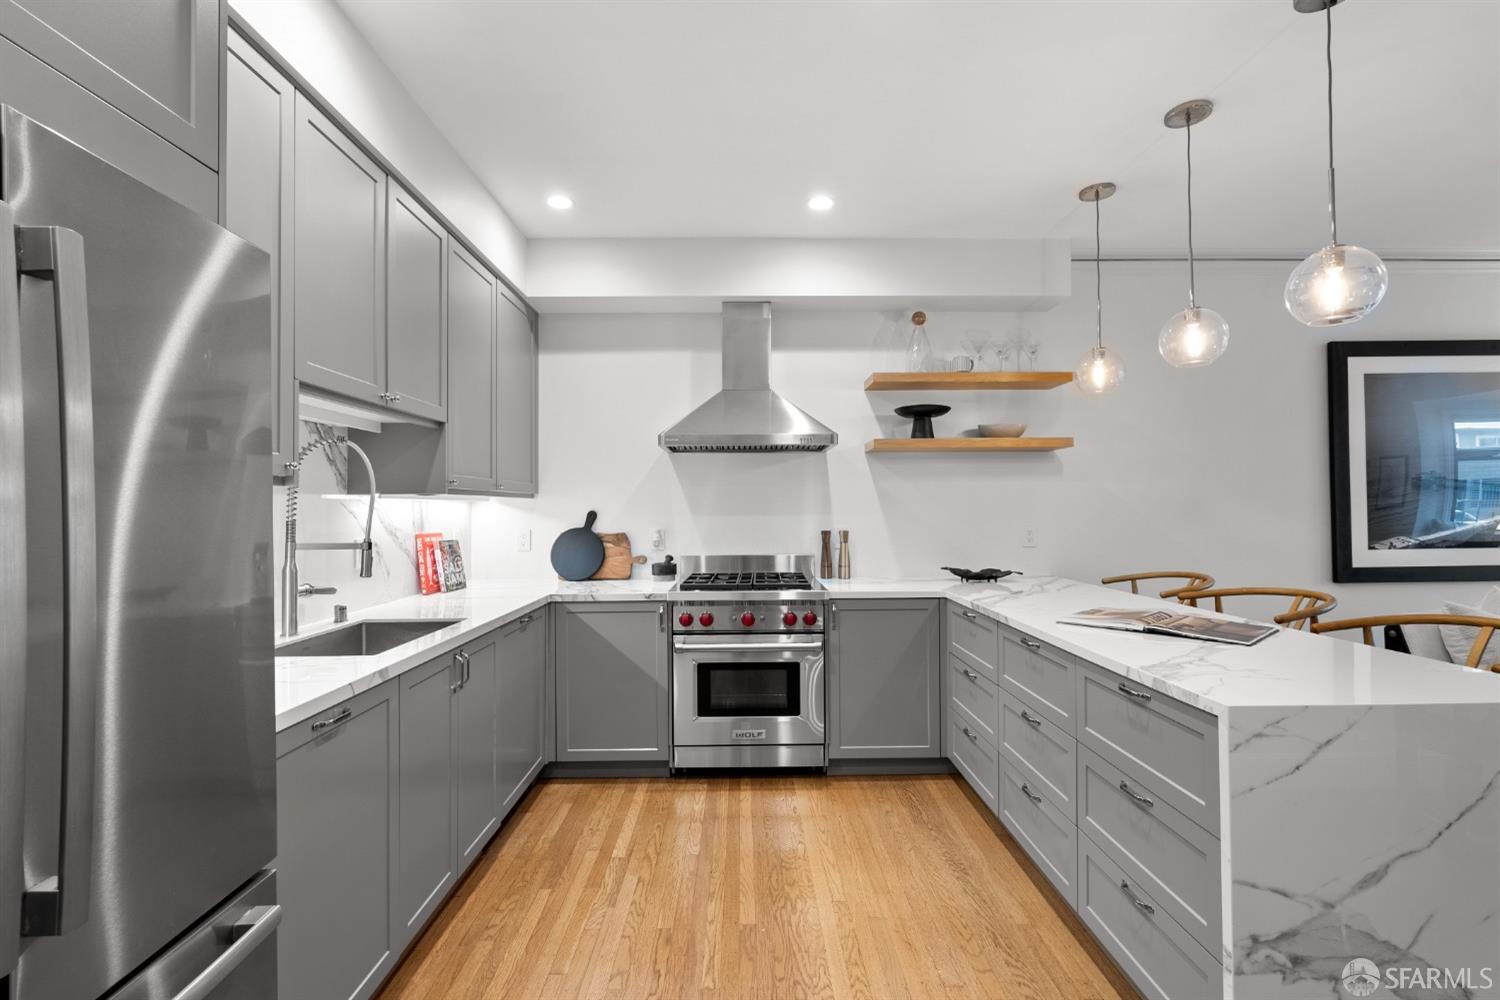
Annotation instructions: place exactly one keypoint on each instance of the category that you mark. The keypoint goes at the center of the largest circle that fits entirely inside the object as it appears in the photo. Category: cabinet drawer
(1159, 848)
(1156, 740)
(1039, 751)
(1040, 676)
(976, 698)
(977, 638)
(1042, 829)
(1161, 958)
(975, 759)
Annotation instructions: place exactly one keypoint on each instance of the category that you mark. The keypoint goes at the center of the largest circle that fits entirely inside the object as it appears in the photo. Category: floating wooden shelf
(972, 445)
(909, 381)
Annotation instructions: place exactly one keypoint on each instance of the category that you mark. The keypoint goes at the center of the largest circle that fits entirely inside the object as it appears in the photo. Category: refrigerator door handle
(12, 600)
(257, 924)
(60, 904)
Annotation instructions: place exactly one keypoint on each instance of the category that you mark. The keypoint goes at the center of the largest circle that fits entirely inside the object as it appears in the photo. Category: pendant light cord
(1098, 281)
(1192, 272)
(1333, 216)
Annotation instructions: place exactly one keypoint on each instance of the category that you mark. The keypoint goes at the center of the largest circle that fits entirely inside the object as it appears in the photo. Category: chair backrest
(1486, 628)
(1307, 605)
(1191, 580)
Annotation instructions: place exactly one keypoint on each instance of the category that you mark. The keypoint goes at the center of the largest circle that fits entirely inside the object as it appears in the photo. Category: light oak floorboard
(755, 887)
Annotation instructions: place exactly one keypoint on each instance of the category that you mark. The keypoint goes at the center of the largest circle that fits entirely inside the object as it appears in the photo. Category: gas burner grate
(746, 581)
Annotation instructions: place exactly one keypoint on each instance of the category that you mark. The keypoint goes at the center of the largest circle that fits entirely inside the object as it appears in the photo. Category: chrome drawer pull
(970, 615)
(971, 675)
(1142, 695)
(337, 719)
(1140, 800)
(1030, 644)
(1030, 794)
(1140, 903)
(970, 734)
(1030, 719)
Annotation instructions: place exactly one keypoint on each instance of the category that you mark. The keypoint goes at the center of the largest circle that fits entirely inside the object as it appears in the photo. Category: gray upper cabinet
(336, 852)
(469, 438)
(156, 62)
(523, 700)
(515, 399)
(416, 346)
(425, 829)
(612, 663)
(476, 802)
(260, 125)
(884, 680)
(338, 285)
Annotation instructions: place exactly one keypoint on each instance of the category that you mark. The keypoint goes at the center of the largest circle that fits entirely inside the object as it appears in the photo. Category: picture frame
(1414, 456)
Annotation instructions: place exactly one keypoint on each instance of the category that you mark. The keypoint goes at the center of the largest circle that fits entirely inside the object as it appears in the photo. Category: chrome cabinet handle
(833, 617)
(12, 602)
(338, 718)
(1140, 903)
(453, 482)
(525, 620)
(1140, 799)
(970, 734)
(971, 675)
(55, 254)
(970, 615)
(1026, 788)
(1030, 644)
(249, 933)
(461, 662)
(395, 397)
(1132, 692)
(468, 672)
(1030, 719)
(661, 618)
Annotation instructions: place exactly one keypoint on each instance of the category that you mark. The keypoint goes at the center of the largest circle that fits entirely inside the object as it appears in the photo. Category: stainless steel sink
(364, 638)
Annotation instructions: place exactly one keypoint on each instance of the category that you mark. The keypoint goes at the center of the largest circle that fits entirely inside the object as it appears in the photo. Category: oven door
(747, 690)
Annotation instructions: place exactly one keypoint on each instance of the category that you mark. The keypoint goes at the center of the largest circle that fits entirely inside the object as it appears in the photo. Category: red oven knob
(747, 619)
(810, 618)
(706, 619)
(789, 619)
(685, 619)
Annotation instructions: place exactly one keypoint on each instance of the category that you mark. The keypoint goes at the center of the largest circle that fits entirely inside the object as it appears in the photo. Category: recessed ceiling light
(820, 203)
(561, 202)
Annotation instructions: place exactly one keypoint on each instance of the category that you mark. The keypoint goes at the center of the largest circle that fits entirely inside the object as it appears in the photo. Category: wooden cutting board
(617, 557)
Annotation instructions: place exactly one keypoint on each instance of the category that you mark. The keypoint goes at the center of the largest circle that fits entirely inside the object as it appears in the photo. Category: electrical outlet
(659, 539)
(523, 540)
(1028, 538)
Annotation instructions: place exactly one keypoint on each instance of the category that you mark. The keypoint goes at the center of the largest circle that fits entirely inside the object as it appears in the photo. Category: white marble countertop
(1287, 669)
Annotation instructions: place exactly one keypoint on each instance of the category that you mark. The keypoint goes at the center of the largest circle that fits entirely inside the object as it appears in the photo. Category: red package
(429, 577)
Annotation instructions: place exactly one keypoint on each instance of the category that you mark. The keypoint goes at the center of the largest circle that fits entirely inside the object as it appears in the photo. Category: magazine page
(1187, 626)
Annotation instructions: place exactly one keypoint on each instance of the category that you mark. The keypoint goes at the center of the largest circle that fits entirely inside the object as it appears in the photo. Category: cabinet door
(156, 62)
(427, 867)
(470, 432)
(260, 124)
(515, 399)
(338, 284)
(523, 669)
(612, 667)
(883, 680)
(336, 855)
(475, 796)
(415, 339)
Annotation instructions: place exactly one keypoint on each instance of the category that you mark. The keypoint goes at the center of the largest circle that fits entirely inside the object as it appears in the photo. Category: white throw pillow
(1459, 639)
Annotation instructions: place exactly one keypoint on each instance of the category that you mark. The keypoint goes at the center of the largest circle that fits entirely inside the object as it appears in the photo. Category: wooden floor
(735, 888)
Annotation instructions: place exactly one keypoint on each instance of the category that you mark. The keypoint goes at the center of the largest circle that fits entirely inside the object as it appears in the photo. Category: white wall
(1223, 469)
(318, 41)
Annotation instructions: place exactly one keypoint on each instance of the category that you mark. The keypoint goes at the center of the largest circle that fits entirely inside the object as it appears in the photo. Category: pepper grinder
(844, 554)
(825, 562)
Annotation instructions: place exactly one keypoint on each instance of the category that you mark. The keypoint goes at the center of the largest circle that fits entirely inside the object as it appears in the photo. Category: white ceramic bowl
(1001, 430)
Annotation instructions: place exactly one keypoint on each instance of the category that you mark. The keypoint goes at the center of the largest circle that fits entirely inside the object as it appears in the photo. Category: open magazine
(1186, 626)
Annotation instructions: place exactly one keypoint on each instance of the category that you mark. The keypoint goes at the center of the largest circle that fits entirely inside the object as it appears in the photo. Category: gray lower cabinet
(336, 854)
(612, 665)
(475, 800)
(515, 399)
(156, 63)
(338, 285)
(416, 336)
(256, 179)
(428, 865)
(884, 679)
(523, 704)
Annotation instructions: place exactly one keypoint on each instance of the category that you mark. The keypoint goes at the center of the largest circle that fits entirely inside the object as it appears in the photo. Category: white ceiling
(670, 119)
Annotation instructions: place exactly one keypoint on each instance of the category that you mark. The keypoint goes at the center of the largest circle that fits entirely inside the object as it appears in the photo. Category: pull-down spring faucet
(290, 590)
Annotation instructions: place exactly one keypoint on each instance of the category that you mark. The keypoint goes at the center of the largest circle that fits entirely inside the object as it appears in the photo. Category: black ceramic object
(668, 568)
(578, 552)
(920, 415)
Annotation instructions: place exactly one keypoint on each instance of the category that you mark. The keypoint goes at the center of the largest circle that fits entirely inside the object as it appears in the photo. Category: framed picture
(1414, 446)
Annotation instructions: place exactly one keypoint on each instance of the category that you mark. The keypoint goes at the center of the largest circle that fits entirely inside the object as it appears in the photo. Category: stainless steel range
(747, 663)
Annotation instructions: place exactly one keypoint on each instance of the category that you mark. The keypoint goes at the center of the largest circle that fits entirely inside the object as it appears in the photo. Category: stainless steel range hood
(746, 415)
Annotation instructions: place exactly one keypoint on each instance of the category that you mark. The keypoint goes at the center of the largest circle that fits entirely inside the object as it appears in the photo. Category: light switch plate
(659, 539)
(1028, 538)
(523, 540)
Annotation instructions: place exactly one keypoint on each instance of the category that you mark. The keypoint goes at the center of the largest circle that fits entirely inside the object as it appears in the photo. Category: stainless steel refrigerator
(137, 771)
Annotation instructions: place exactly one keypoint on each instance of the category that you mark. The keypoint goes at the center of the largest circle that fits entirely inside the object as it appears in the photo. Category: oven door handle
(814, 699)
(745, 647)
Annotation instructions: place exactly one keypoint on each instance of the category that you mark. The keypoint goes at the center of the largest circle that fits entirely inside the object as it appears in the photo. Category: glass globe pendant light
(1101, 369)
(1195, 336)
(1340, 283)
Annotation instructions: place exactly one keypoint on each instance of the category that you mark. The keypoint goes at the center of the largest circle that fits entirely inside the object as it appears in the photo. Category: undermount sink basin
(363, 638)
